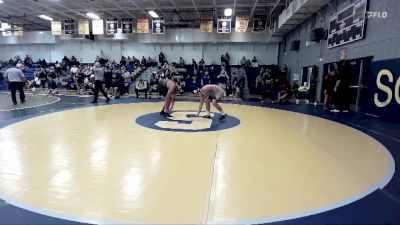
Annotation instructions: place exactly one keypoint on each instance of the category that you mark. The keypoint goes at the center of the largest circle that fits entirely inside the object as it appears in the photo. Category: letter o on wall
(384, 88)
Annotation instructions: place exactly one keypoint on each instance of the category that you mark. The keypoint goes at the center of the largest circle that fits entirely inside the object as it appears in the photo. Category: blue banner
(384, 90)
(224, 25)
(158, 26)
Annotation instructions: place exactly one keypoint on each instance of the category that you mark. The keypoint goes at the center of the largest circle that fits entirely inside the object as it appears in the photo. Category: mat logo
(386, 89)
(180, 122)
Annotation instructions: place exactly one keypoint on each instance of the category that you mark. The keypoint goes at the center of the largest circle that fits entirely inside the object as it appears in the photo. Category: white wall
(87, 50)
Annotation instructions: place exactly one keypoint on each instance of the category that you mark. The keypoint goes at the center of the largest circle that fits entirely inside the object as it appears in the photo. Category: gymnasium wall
(382, 41)
(188, 43)
(265, 53)
(381, 38)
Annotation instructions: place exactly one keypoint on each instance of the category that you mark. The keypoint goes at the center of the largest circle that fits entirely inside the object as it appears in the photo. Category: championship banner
(56, 28)
(206, 25)
(111, 26)
(224, 25)
(158, 26)
(6, 27)
(69, 26)
(127, 25)
(242, 22)
(97, 27)
(142, 26)
(18, 30)
(259, 24)
(83, 27)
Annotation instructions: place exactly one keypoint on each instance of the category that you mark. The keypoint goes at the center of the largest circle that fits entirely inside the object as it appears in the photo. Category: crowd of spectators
(71, 74)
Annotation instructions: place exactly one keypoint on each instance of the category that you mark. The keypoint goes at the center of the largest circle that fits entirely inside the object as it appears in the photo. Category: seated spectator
(259, 84)
(206, 79)
(28, 61)
(153, 84)
(57, 67)
(141, 87)
(119, 85)
(239, 85)
(302, 92)
(42, 75)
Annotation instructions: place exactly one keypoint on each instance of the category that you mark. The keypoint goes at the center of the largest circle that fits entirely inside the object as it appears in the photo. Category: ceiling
(176, 12)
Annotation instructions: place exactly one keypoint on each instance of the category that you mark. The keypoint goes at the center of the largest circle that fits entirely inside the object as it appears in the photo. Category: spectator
(57, 67)
(206, 79)
(223, 79)
(202, 64)
(42, 77)
(194, 64)
(240, 85)
(122, 62)
(243, 62)
(254, 62)
(341, 99)
(329, 86)
(141, 87)
(143, 62)
(79, 78)
(161, 58)
(181, 62)
(227, 58)
(259, 84)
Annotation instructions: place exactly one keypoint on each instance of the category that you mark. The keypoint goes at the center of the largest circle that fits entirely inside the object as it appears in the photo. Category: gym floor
(65, 161)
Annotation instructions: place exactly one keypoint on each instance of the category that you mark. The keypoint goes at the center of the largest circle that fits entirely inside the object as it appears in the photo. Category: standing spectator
(98, 73)
(254, 62)
(223, 79)
(143, 62)
(329, 86)
(202, 64)
(161, 58)
(181, 62)
(243, 62)
(79, 78)
(122, 62)
(341, 90)
(194, 64)
(16, 80)
(227, 59)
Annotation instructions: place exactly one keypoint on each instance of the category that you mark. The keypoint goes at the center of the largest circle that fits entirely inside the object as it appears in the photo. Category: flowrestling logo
(180, 122)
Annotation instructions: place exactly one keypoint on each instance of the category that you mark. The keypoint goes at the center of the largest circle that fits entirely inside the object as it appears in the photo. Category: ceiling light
(46, 17)
(153, 14)
(228, 12)
(1, 1)
(93, 16)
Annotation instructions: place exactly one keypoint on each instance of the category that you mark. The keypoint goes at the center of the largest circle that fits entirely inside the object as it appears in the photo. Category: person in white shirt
(98, 73)
(16, 81)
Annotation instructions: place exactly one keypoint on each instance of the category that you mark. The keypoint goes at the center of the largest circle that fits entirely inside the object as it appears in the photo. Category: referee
(98, 73)
(16, 81)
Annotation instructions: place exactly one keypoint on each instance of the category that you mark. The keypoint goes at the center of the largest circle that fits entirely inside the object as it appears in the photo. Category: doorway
(357, 81)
